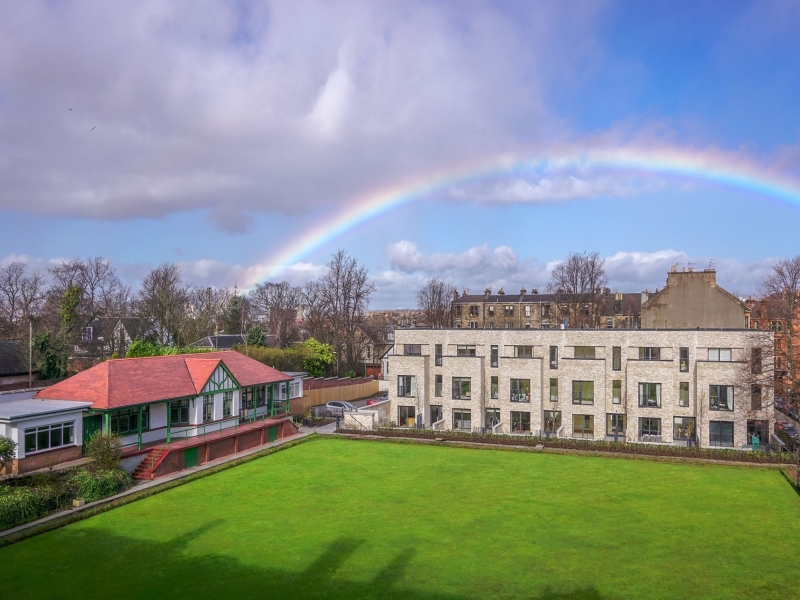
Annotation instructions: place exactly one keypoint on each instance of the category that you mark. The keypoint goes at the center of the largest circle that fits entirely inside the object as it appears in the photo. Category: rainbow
(710, 167)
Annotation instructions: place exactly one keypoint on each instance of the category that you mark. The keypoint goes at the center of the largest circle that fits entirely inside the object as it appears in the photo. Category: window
(406, 416)
(208, 407)
(552, 421)
(126, 420)
(436, 413)
(179, 412)
(367, 350)
(616, 358)
(583, 392)
(406, 386)
(683, 428)
(495, 391)
(474, 311)
(610, 323)
(438, 355)
(491, 311)
(437, 386)
(493, 356)
(520, 390)
(616, 391)
(583, 426)
(683, 395)
(649, 426)
(755, 361)
(617, 307)
(465, 350)
(684, 360)
(462, 420)
(462, 388)
(719, 354)
(527, 310)
(457, 310)
(86, 334)
(545, 325)
(615, 424)
(227, 402)
(650, 395)
(758, 429)
(294, 388)
(553, 357)
(553, 389)
(509, 311)
(492, 417)
(49, 436)
(520, 422)
(720, 397)
(584, 351)
(649, 353)
(259, 394)
(775, 326)
(546, 311)
(523, 351)
(247, 397)
(755, 397)
(721, 433)
(412, 349)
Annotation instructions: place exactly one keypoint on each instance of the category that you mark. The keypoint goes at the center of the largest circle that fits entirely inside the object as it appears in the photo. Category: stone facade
(645, 357)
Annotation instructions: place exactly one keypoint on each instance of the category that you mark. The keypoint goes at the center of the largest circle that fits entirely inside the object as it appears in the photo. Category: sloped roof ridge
(198, 386)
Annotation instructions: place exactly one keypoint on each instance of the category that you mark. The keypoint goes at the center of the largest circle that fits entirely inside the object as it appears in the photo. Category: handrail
(560, 431)
(495, 427)
(153, 458)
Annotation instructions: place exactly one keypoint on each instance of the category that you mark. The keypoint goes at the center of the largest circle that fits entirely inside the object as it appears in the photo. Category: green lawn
(348, 519)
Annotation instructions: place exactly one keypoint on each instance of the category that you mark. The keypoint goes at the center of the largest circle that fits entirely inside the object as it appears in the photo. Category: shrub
(95, 485)
(8, 450)
(22, 504)
(105, 450)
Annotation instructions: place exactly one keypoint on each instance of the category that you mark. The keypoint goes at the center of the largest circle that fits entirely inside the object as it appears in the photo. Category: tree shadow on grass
(75, 563)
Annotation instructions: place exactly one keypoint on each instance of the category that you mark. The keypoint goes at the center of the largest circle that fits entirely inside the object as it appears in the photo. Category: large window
(126, 421)
(553, 357)
(49, 436)
(553, 389)
(412, 349)
(438, 355)
(552, 421)
(720, 433)
(520, 390)
(436, 413)
(260, 395)
(755, 361)
(520, 422)
(494, 392)
(650, 395)
(437, 386)
(615, 425)
(247, 397)
(523, 351)
(462, 420)
(683, 393)
(462, 388)
(683, 428)
(616, 358)
(179, 412)
(405, 416)
(684, 360)
(719, 354)
(208, 407)
(493, 356)
(649, 426)
(755, 397)
(227, 403)
(584, 351)
(649, 353)
(758, 429)
(509, 310)
(406, 386)
(583, 392)
(492, 417)
(720, 397)
(616, 391)
(474, 311)
(583, 426)
(462, 350)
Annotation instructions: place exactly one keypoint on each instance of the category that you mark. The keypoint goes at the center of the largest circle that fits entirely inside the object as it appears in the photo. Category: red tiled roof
(133, 381)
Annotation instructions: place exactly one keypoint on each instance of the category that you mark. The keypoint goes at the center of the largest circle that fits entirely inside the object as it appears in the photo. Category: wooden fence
(317, 397)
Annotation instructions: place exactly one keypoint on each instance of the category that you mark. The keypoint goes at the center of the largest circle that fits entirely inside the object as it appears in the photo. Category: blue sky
(223, 131)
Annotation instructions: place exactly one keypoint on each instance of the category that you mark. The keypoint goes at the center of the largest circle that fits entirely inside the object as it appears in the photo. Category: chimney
(523, 291)
(464, 292)
(486, 293)
(455, 294)
(535, 291)
(501, 292)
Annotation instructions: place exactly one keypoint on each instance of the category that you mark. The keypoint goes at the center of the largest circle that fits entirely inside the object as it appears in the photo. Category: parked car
(337, 408)
(790, 431)
(792, 412)
(372, 401)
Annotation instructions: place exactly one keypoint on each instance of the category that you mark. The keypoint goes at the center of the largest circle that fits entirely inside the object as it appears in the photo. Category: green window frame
(179, 412)
(208, 408)
(227, 404)
(583, 392)
(126, 420)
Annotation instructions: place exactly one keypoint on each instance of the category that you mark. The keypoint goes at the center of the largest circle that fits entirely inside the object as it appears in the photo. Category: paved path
(157, 482)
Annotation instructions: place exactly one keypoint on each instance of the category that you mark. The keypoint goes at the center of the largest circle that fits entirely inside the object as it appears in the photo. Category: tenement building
(682, 387)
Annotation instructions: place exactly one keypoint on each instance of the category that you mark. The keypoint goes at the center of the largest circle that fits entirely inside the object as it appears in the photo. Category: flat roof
(21, 409)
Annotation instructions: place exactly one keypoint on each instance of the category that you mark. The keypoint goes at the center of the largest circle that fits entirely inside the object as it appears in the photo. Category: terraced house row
(682, 387)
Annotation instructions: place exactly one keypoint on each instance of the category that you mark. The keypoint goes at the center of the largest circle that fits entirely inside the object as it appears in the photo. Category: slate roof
(14, 411)
(12, 360)
(133, 381)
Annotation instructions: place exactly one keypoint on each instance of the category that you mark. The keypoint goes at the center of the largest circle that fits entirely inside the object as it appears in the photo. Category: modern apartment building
(660, 386)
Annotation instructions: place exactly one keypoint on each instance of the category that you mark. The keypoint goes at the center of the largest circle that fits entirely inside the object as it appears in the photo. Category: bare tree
(100, 284)
(207, 309)
(164, 299)
(315, 318)
(577, 283)
(66, 274)
(434, 302)
(21, 297)
(276, 304)
(756, 374)
(781, 292)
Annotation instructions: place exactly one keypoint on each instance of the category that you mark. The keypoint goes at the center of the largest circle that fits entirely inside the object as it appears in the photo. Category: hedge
(22, 504)
(91, 486)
